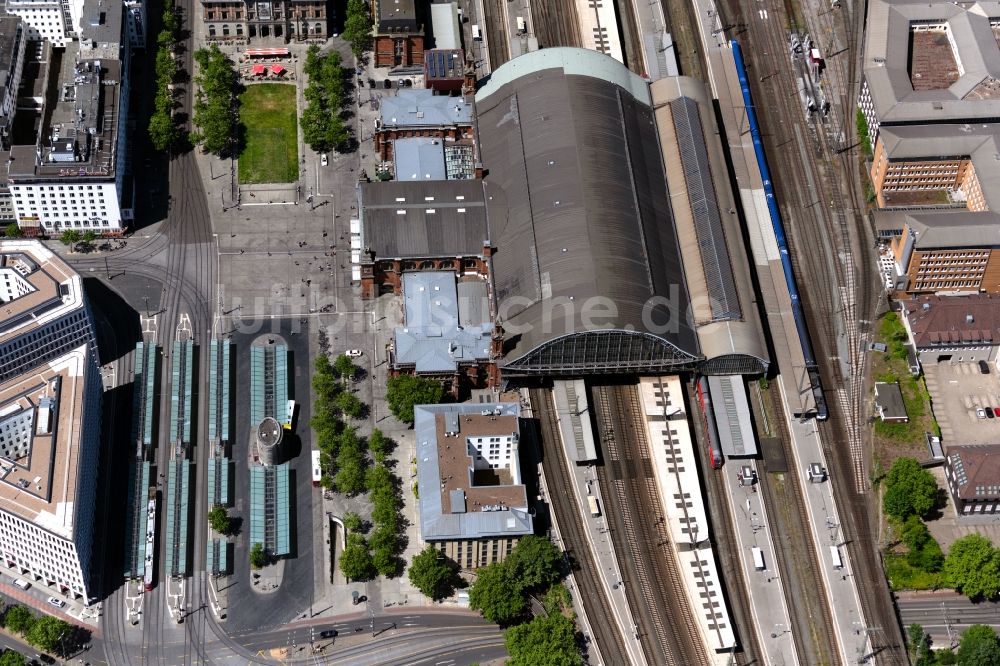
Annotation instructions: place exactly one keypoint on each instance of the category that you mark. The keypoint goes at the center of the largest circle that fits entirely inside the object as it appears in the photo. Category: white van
(476, 34)
(21, 583)
(758, 559)
(838, 563)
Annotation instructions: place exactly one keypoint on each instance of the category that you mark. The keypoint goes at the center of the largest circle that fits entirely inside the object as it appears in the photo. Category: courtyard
(270, 151)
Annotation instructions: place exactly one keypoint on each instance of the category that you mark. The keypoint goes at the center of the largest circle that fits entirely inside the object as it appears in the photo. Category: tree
(258, 558)
(946, 657)
(353, 522)
(909, 490)
(163, 131)
(379, 445)
(350, 477)
(51, 634)
(923, 551)
(345, 367)
(70, 238)
(18, 619)
(355, 560)
(358, 27)
(13, 231)
(497, 594)
(433, 574)
(978, 647)
(536, 562)
(545, 641)
(219, 520)
(405, 391)
(11, 658)
(216, 113)
(385, 544)
(915, 638)
(973, 567)
(349, 404)
(322, 125)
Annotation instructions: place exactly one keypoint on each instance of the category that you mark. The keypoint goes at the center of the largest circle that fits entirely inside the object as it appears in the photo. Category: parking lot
(958, 391)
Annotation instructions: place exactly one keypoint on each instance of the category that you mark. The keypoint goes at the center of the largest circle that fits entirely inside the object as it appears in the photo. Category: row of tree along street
(216, 108)
(163, 129)
(47, 633)
(352, 465)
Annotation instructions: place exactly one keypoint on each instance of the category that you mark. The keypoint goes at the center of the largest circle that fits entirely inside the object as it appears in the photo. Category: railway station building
(50, 410)
(399, 33)
(418, 112)
(473, 505)
(421, 225)
(597, 268)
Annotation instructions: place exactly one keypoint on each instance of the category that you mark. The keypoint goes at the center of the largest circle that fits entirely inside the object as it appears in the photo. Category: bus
(758, 558)
(595, 508)
(317, 468)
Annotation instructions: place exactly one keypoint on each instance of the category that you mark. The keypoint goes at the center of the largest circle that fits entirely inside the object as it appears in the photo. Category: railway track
(726, 546)
(808, 605)
(664, 618)
(822, 209)
(562, 500)
(498, 37)
(556, 24)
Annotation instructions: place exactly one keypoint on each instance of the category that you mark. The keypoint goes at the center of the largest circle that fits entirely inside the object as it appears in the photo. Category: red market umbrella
(277, 69)
(259, 69)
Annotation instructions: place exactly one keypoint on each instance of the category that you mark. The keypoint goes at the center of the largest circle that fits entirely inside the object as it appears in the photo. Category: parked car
(353, 353)
(323, 160)
(984, 368)
(58, 603)
(980, 413)
(989, 412)
(21, 583)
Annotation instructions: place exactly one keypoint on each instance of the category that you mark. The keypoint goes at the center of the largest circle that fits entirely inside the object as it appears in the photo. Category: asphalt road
(942, 612)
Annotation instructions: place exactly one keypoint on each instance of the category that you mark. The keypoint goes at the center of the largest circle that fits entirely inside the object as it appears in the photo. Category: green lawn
(269, 114)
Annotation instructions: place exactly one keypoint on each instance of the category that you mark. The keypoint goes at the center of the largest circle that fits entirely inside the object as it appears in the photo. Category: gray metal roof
(432, 339)
(954, 229)
(438, 218)
(444, 19)
(435, 524)
(396, 15)
(732, 416)
(586, 245)
(978, 142)
(419, 158)
(889, 399)
(886, 61)
(420, 107)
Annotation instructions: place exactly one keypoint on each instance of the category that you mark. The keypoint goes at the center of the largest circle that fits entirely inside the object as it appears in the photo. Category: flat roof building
(43, 312)
(419, 112)
(473, 506)
(889, 402)
(50, 409)
(973, 474)
(447, 332)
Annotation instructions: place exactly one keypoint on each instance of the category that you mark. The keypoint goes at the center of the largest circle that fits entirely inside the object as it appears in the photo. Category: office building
(473, 506)
(973, 474)
(50, 406)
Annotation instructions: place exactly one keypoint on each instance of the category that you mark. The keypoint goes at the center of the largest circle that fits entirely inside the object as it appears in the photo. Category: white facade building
(58, 319)
(50, 407)
(45, 19)
(74, 176)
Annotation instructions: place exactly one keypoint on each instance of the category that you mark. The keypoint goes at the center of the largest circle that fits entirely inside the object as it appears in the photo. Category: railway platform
(599, 540)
